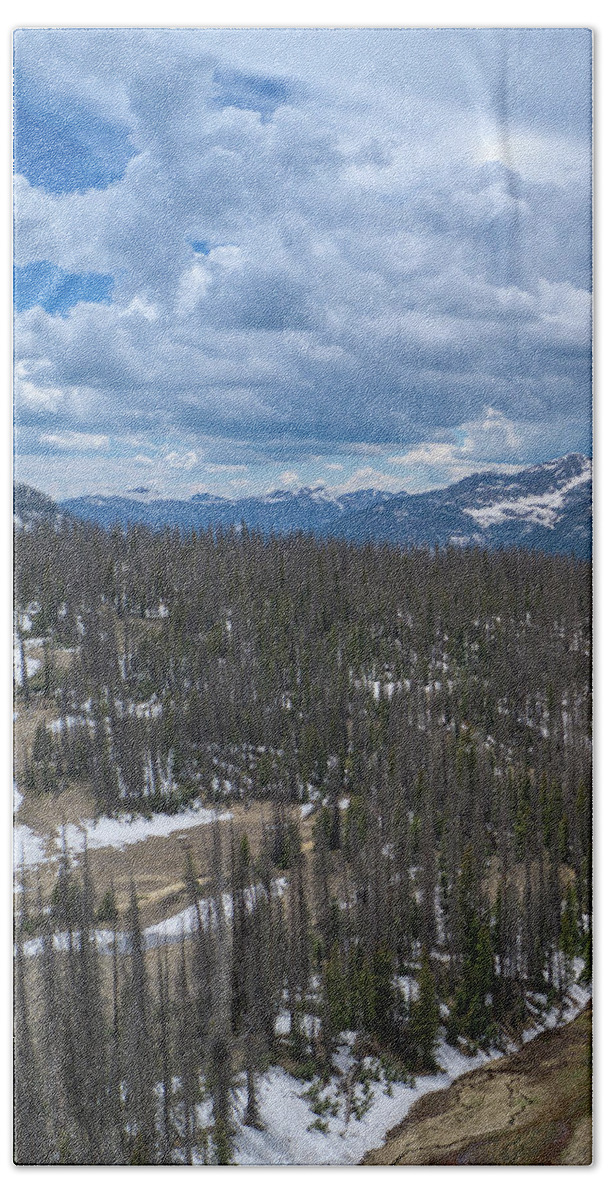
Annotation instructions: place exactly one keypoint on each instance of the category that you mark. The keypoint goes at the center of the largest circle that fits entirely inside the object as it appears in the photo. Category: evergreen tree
(424, 1018)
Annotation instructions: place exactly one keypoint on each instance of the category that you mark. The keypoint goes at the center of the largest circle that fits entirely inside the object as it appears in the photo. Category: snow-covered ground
(104, 939)
(540, 509)
(29, 850)
(17, 797)
(32, 665)
(70, 721)
(172, 929)
(289, 1138)
(118, 832)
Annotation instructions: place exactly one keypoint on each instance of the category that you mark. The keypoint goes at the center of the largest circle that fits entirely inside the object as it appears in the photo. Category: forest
(407, 732)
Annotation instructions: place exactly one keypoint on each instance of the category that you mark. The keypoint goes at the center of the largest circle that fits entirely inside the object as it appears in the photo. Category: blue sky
(248, 259)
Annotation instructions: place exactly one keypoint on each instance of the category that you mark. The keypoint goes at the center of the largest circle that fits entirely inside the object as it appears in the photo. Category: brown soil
(532, 1108)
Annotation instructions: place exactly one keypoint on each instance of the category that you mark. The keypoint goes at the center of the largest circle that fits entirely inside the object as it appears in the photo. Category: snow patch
(32, 666)
(541, 509)
(118, 832)
(29, 849)
(289, 1138)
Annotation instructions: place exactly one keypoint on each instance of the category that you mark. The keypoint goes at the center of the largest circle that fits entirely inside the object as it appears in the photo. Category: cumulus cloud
(373, 479)
(298, 260)
(493, 435)
(492, 443)
(181, 462)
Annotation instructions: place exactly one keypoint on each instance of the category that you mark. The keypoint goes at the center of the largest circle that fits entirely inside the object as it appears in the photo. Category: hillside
(30, 507)
(531, 1108)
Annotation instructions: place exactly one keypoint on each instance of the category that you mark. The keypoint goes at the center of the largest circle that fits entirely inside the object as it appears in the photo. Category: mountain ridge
(545, 506)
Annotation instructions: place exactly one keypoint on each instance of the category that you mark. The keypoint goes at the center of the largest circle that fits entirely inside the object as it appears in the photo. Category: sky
(259, 259)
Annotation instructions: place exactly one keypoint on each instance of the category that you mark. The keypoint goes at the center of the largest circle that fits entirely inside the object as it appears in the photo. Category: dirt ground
(531, 1108)
(156, 865)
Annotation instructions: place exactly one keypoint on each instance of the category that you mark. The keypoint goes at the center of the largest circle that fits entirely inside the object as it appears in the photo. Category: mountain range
(545, 507)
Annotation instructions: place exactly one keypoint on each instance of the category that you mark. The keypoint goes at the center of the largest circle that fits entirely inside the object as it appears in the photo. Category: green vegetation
(429, 712)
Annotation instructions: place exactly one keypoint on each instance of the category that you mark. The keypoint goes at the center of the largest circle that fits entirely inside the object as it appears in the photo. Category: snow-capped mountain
(541, 495)
(543, 507)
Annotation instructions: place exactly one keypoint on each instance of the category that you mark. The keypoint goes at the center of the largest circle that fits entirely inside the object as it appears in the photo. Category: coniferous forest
(395, 749)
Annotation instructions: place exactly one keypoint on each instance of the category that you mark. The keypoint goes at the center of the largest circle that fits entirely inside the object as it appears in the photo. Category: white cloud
(140, 306)
(384, 269)
(493, 435)
(492, 443)
(192, 288)
(371, 477)
(76, 441)
(228, 257)
(544, 158)
(181, 462)
(434, 454)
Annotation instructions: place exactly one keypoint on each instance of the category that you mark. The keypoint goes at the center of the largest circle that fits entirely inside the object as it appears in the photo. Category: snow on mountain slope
(542, 509)
(545, 507)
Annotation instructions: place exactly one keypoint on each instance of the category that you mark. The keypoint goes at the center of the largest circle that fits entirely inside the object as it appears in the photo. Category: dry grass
(156, 865)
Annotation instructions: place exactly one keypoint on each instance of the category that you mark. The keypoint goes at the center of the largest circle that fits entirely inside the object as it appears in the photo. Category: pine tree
(30, 1129)
(138, 1063)
(569, 937)
(424, 1017)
